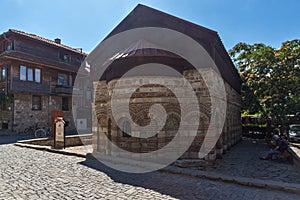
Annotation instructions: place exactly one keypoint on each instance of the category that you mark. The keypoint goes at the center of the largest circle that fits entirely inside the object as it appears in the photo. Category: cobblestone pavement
(243, 160)
(31, 174)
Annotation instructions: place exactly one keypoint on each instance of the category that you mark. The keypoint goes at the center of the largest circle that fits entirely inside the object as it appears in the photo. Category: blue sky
(84, 23)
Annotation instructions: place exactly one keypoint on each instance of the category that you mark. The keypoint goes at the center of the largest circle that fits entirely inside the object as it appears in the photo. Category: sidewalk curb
(49, 149)
(250, 182)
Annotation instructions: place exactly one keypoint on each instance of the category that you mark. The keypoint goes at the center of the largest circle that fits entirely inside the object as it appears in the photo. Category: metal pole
(54, 134)
(64, 135)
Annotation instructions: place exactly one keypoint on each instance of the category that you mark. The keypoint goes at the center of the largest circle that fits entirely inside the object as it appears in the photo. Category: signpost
(59, 133)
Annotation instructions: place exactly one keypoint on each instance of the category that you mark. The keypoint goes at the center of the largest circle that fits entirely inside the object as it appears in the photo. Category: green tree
(5, 100)
(270, 78)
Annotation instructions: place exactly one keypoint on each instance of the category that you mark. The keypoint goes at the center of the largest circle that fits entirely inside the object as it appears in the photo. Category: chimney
(57, 40)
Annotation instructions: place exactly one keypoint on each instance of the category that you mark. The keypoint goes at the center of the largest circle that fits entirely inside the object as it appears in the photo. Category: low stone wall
(71, 140)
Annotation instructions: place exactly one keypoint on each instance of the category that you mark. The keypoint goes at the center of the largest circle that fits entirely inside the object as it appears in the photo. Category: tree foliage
(5, 100)
(271, 78)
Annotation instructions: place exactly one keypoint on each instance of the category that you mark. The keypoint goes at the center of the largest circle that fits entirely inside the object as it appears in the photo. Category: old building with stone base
(37, 76)
(144, 89)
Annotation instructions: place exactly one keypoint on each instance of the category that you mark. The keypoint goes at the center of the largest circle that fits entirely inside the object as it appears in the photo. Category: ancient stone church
(111, 134)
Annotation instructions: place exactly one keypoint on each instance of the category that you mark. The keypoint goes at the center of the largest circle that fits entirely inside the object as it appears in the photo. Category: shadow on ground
(156, 181)
(241, 161)
(13, 138)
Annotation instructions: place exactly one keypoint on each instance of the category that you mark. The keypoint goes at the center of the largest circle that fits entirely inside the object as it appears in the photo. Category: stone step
(186, 163)
(87, 141)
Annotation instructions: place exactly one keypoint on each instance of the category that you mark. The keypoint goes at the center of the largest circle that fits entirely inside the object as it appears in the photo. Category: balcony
(29, 87)
(60, 89)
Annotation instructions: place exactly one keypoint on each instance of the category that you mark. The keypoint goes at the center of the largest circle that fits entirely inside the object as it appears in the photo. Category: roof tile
(36, 37)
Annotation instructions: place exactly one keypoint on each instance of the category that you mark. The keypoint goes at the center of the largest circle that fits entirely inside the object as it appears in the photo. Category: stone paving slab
(243, 161)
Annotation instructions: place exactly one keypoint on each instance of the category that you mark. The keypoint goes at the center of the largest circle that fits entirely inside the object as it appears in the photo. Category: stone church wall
(140, 103)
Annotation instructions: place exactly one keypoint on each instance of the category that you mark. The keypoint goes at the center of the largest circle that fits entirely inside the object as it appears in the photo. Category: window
(62, 79)
(66, 57)
(7, 45)
(126, 129)
(36, 103)
(4, 125)
(37, 75)
(3, 74)
(23, 73)
(65, 104)
(30, 74)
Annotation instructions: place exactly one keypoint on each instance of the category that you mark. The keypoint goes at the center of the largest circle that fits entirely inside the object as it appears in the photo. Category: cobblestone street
(32, 174)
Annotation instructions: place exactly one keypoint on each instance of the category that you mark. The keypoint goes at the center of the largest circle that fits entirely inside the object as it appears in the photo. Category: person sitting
(279, 148)
(285, 143)
(276, 131)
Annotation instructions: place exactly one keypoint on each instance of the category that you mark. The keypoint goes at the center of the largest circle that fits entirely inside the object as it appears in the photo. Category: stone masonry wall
(5, 119)
(25, 117)
(140, 103)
